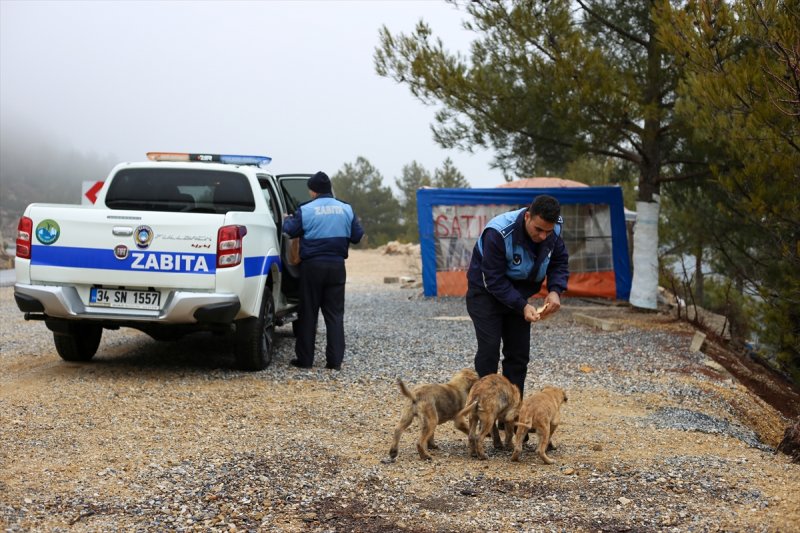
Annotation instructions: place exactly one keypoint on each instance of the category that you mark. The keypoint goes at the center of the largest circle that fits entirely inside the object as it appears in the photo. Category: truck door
(294, 191)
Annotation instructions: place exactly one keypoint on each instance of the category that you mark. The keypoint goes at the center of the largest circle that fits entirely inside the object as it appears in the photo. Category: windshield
(176, 189)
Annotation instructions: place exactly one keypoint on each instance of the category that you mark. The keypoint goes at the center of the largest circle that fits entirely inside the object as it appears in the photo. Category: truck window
(272, 200)
(295, 190)
(174, 189)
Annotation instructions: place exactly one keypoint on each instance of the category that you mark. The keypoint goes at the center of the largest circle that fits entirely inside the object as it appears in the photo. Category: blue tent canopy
(610, 196)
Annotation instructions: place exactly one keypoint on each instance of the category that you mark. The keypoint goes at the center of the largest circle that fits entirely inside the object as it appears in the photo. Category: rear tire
(255, 337)
(79, 343)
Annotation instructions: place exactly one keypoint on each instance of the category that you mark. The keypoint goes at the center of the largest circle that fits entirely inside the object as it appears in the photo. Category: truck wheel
(255, 337)
(79, 343)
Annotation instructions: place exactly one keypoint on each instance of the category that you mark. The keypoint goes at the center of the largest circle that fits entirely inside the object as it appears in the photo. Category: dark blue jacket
(327, 227)
(490, 270)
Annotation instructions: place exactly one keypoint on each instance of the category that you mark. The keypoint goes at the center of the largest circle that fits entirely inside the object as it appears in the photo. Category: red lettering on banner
(456, 228)
(460, 226)
(440, 229)
(468, 223)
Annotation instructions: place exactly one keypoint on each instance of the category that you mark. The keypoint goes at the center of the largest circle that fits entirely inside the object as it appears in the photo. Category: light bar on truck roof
(258, 160)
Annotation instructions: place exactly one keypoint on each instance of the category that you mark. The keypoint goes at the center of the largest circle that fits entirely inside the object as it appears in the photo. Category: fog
(108, 81)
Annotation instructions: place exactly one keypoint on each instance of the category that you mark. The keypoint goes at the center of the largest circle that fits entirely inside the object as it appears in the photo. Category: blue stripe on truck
(141, 261)
(259, 266)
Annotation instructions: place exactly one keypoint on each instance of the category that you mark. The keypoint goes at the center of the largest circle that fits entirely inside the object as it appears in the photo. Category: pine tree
(414, 177)
(361, 185)
(449, 177)
(741, 95)
(548, 81)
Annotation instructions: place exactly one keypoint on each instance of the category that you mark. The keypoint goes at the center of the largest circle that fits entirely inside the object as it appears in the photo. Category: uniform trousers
(495, 323)
(321, 287)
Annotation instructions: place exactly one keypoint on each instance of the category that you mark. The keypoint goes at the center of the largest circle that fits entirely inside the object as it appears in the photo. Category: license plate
(125, 298)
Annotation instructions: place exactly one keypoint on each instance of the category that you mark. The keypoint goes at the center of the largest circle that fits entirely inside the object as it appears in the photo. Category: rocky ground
(156, 436)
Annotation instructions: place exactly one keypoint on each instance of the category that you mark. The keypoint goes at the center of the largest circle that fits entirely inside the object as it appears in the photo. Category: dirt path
(165, 436)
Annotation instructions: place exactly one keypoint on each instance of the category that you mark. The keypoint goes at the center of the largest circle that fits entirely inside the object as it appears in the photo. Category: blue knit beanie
(320, 183)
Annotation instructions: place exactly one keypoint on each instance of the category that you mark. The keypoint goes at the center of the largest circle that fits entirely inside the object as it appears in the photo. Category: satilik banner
(451, 221)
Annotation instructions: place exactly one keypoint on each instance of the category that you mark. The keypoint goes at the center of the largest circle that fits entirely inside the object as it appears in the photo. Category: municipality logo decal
(47, 231)
(143, 236)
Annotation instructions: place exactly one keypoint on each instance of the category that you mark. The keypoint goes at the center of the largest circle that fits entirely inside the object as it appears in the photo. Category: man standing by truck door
(326, 227)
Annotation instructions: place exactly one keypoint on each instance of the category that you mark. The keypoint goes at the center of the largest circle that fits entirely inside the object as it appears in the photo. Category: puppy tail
(407, 393)
(468, 409)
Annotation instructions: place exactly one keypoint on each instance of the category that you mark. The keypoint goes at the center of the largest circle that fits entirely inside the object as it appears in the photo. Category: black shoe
(330, 366)
(298, 364)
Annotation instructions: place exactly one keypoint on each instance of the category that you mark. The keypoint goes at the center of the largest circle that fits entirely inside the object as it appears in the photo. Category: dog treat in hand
(542, 308)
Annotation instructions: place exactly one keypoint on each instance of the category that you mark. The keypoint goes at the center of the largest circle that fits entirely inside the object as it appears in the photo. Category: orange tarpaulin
(587, 284)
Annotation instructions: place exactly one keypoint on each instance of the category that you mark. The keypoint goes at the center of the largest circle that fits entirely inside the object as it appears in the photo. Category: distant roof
(542, 183)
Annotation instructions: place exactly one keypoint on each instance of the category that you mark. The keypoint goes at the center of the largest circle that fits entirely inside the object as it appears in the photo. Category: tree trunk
(699, 279)
(644, 287)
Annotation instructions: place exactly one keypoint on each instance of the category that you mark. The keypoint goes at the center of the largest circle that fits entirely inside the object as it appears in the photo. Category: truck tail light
(229, 245)
(24, 234)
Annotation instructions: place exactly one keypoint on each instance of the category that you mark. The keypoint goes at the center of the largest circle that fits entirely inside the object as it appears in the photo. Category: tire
(79, 343)
(255, 337)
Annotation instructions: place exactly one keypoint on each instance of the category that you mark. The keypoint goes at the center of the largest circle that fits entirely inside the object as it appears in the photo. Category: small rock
(623, 501)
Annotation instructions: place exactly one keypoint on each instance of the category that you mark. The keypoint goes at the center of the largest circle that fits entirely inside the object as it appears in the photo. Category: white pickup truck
(177, 244)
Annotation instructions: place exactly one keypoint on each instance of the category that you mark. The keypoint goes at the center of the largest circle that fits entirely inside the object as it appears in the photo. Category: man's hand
(530, 313)
(551, 304)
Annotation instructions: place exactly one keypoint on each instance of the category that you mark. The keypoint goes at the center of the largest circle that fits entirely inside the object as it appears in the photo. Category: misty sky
(292, 80)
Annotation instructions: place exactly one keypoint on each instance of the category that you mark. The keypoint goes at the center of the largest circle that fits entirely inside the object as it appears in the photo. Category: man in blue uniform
(326, 227)
(511, 258)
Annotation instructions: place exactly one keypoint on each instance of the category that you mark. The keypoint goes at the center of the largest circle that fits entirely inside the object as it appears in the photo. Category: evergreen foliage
(361, 185)
(548, 81)
(741, 96)
(414, 177)
(449, 177)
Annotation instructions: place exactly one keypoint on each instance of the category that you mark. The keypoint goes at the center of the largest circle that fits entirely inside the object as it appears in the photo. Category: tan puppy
(434, 404)
(492, 398)
(540, 412)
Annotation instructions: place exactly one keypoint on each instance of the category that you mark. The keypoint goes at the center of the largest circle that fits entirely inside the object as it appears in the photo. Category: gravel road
(166, 436)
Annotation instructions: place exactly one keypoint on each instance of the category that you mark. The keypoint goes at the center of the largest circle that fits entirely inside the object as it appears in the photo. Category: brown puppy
(434, 404)
(541, 412)
(492, 398)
